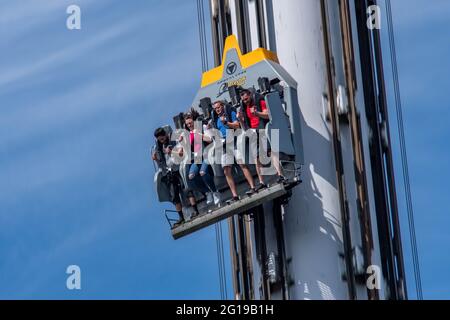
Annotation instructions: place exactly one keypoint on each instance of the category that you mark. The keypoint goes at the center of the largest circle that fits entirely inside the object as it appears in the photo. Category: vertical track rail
(242, 26)
(261, 249)
(282, 261)
(348, 255)
(382, 169)
(234, 258)
(242, 255)
(357, 146)
(260, 15)
(394, 217)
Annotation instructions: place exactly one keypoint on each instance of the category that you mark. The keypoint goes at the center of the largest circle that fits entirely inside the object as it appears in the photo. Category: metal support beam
(260, 14)
(357, 147)
(375, 102)
(234, 258)
(396, 238)
(348, 253)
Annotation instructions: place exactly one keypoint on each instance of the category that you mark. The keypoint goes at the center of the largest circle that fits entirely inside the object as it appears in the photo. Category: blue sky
(77, 112)
(422, 40)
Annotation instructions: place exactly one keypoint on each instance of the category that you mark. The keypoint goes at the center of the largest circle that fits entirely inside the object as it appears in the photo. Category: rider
(200, 174)
(255, 115)
(171, 176)
(224, 119)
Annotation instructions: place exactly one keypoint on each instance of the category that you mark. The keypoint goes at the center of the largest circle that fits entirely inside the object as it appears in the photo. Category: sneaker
(251, 192)
(281, 179)
(261, 186)
(194, 215)
(233, 200)
(209, 198)
(178, 223)
(217, 198)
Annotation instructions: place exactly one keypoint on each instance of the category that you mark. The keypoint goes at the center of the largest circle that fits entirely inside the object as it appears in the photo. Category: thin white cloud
(25, 15)
(96, 96)
(16, 73)
(71, 52)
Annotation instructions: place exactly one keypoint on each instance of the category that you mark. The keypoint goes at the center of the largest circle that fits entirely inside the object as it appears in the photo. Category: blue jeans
(203, 181)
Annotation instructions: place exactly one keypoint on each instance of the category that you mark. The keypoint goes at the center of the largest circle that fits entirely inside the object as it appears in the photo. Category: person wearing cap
(162, 156)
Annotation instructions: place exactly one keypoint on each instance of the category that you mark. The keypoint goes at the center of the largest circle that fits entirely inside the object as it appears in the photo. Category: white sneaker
(209, 198)
(217, 198)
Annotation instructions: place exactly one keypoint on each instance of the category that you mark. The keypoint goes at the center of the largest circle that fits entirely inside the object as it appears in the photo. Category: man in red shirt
(255, 116)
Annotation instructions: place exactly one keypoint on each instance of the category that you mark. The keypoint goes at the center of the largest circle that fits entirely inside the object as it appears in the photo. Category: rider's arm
(206, 138)
(264, 113)
(234, 123)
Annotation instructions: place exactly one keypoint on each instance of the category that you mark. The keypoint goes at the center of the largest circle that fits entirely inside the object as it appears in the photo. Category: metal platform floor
(226, 211)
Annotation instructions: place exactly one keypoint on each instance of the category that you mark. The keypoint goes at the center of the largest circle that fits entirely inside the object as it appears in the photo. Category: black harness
(256, 98)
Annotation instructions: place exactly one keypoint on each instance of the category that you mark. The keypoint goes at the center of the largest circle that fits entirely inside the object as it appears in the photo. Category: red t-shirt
(254, 119)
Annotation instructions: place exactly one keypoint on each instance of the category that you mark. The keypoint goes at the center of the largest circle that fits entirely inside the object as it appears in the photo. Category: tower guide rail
(205, 220)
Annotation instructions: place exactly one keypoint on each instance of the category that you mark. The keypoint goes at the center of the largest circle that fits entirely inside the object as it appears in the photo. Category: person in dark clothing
(171, 175)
